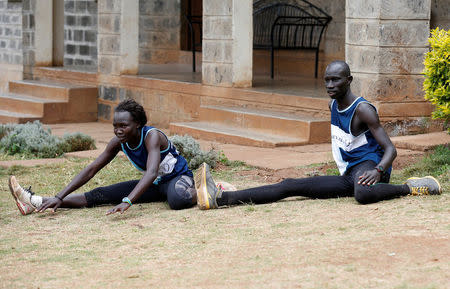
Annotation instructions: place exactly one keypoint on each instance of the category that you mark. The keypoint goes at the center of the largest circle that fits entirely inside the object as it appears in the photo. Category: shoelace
(29, 191)
(419, 191)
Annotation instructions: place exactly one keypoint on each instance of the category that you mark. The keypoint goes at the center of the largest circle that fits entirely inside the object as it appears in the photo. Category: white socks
(36, 201)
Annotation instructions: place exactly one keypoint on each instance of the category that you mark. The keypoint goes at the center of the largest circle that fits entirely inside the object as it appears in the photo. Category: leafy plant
(227, 162)
(437, 73)
(78, 142)
(190, 149)
(5, 129)
(33, 140)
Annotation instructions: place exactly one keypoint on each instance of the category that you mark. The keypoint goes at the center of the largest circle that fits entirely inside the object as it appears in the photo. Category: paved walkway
(272, 158)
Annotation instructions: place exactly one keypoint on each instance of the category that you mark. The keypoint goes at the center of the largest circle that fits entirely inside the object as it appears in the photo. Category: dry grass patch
(296, 243)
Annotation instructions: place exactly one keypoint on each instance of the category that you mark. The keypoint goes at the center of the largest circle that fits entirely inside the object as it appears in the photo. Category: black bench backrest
(288, 25)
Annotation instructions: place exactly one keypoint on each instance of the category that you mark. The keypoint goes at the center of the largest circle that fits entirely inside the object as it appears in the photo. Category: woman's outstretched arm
(111, 150)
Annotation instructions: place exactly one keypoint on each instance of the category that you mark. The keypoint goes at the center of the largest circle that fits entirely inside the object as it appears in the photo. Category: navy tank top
(348, 149)
(172, 164)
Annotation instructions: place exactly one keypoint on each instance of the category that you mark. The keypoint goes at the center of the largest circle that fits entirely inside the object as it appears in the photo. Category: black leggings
(179, 192)
(321, 187)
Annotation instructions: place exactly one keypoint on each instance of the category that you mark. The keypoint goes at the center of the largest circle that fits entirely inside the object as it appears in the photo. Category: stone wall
(162, 102)
(80, 33)
(159, 32)
(10, 42)
(440, 14)
(385, 45)
(11, 32)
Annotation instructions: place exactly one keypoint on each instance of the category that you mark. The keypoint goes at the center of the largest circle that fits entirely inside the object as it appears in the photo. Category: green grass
(9, 157)
(436, 163)
(298, 242)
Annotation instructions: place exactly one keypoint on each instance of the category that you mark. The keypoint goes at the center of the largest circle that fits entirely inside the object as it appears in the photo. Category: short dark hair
(343, 65)
(135, 109)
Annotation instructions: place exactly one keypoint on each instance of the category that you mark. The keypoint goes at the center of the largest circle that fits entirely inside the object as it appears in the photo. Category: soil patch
(266, 175)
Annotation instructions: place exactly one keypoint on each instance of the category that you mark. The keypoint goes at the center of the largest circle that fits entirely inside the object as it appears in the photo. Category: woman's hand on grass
(122, 207)
(49, 203)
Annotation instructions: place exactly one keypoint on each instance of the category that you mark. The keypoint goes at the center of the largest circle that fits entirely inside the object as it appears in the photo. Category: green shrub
(190, 149)
(437, 73)
(5, 129)
(33, 140)
(78, 142)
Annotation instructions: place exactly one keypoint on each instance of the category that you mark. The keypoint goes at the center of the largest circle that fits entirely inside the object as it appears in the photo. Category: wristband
(59, 198)
(379, 169)
(126, 200)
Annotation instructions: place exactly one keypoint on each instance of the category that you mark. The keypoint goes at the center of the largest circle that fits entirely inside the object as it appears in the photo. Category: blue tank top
(172, 164)
(348, 149)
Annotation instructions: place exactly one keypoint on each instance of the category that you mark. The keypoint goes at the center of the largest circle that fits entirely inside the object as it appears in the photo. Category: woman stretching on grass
(166, 175)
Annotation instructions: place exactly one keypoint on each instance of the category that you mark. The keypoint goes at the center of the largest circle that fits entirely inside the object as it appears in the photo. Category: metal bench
(295, 24)
(285, 24)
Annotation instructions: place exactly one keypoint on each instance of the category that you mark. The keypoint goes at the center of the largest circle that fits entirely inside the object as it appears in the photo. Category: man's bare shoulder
(367, 113)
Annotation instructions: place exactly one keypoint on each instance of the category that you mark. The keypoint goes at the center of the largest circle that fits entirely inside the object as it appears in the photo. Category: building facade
(114, 40)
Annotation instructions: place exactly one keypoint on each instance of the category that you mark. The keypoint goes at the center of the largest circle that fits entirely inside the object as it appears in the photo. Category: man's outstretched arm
(367, 115)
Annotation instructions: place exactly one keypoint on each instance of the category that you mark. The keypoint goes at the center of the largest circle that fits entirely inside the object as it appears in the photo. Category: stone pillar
(227, 43)
(43, 35)
(118, 36)
(385, 46)
(129, 37)
(108, 37)
(58, 33)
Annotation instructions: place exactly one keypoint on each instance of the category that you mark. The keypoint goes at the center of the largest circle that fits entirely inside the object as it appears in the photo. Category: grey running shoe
(207, 192)
(424, 186)
(21, 196)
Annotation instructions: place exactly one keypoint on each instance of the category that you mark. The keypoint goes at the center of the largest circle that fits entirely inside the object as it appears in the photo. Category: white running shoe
(21, 196)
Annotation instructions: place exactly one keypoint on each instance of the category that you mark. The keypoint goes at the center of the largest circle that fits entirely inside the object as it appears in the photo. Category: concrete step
(63, 74)
(50, 102)
(313, 129)
(292, 104)
(50, 89)
(16, 117)
(230, 134)
(25, 104)
(227, 96)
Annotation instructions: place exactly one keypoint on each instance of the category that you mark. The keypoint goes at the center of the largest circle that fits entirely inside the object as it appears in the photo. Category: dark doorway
(191, 22)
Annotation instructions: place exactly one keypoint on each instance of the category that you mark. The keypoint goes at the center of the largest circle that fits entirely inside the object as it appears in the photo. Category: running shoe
(424, 186)
(207, 191)
(21, 196)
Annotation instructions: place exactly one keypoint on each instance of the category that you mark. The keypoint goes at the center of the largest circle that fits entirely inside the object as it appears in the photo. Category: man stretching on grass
(361, 149)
